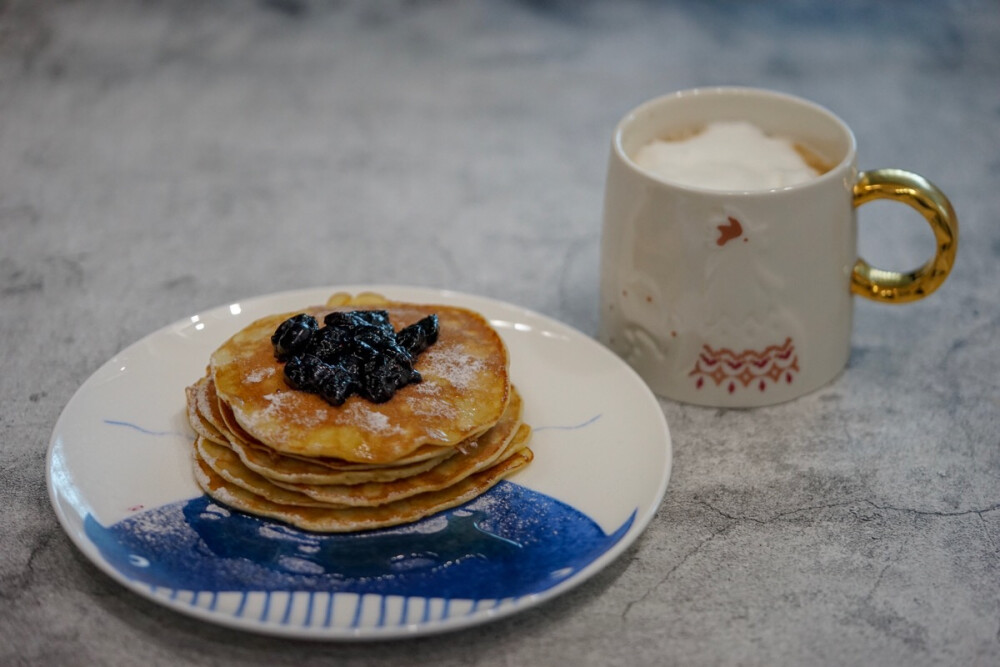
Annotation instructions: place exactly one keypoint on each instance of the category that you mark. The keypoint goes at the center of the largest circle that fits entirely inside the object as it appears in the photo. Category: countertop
(159, 159)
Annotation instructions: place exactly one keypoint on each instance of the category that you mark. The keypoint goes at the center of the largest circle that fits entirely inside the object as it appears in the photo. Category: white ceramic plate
(120, 480)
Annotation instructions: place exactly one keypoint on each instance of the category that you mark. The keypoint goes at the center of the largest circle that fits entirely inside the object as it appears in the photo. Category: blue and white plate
(120, 480)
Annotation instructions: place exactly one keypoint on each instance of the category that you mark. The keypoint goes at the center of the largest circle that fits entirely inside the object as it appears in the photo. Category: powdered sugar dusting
(370, 420)
(277, 399)
(467, 446)
(426, 388)
(433, 524)
(450, 363)
(281, 408)
(431, 407)
(259, 375)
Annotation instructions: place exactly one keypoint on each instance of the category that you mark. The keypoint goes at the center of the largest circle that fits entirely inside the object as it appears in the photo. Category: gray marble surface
(160, 158)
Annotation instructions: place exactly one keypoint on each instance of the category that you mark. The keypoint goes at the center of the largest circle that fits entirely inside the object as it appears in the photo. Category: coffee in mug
(729, 245)
(730, 155)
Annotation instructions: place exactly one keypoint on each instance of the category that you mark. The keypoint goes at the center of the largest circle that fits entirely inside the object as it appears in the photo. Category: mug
(743, 298)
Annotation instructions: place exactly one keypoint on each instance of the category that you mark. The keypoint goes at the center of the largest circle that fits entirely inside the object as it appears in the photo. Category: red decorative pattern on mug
(732, 230)
(746, 369)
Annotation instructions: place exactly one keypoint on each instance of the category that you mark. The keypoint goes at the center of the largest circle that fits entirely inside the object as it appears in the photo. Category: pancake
(341, 520)
(424, 453)
(441, 477)
(224, 462)
(206, 406)
(273, 451)
(202, 427)
(300, 475)
(294, 470)
(465, 390)
(297, 470)
(480, 453)
(220, 418)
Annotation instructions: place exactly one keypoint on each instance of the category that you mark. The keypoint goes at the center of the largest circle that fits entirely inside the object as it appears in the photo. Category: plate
(120, 480)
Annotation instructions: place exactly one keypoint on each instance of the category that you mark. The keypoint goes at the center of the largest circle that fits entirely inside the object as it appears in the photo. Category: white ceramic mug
(744, 298)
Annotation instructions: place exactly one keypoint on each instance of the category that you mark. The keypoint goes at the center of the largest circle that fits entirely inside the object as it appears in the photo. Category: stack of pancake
(265, 448)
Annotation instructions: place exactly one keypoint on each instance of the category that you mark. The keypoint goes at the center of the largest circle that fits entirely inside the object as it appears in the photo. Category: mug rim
(834, 173)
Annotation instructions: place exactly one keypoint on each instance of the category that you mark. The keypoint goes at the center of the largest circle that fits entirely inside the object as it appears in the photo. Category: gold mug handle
(919, 193)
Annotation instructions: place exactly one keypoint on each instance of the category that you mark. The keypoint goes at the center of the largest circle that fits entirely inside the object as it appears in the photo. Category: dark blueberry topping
(354, 352)
(329, 343)
(358, 320)
(293, 335)
(336, 385)
(312, 374)
(416, 337)
(301, 372)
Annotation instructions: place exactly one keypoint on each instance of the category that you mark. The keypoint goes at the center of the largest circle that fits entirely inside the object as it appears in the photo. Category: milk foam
(727, 156)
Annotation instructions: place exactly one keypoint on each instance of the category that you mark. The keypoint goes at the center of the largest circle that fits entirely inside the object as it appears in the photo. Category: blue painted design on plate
(509, 542)
(140, 429)
(571, 427)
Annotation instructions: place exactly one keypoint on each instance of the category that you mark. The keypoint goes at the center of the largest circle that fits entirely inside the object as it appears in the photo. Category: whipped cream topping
(733, 155)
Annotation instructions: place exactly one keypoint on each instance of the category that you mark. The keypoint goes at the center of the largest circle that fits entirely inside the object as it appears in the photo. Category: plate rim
(642, 517)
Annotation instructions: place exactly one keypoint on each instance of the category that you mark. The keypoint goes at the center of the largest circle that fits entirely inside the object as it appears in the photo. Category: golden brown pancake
(200, 424)
(270, 450)
(323, 483)
(294, 470)
(297, 470)
(206, 405)
(482, 452)
(224, 462)
(334, 520)
(465, 389)
(220, 418)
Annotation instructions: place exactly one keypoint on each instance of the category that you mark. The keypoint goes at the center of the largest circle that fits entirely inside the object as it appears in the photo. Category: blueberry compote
(355, 352)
